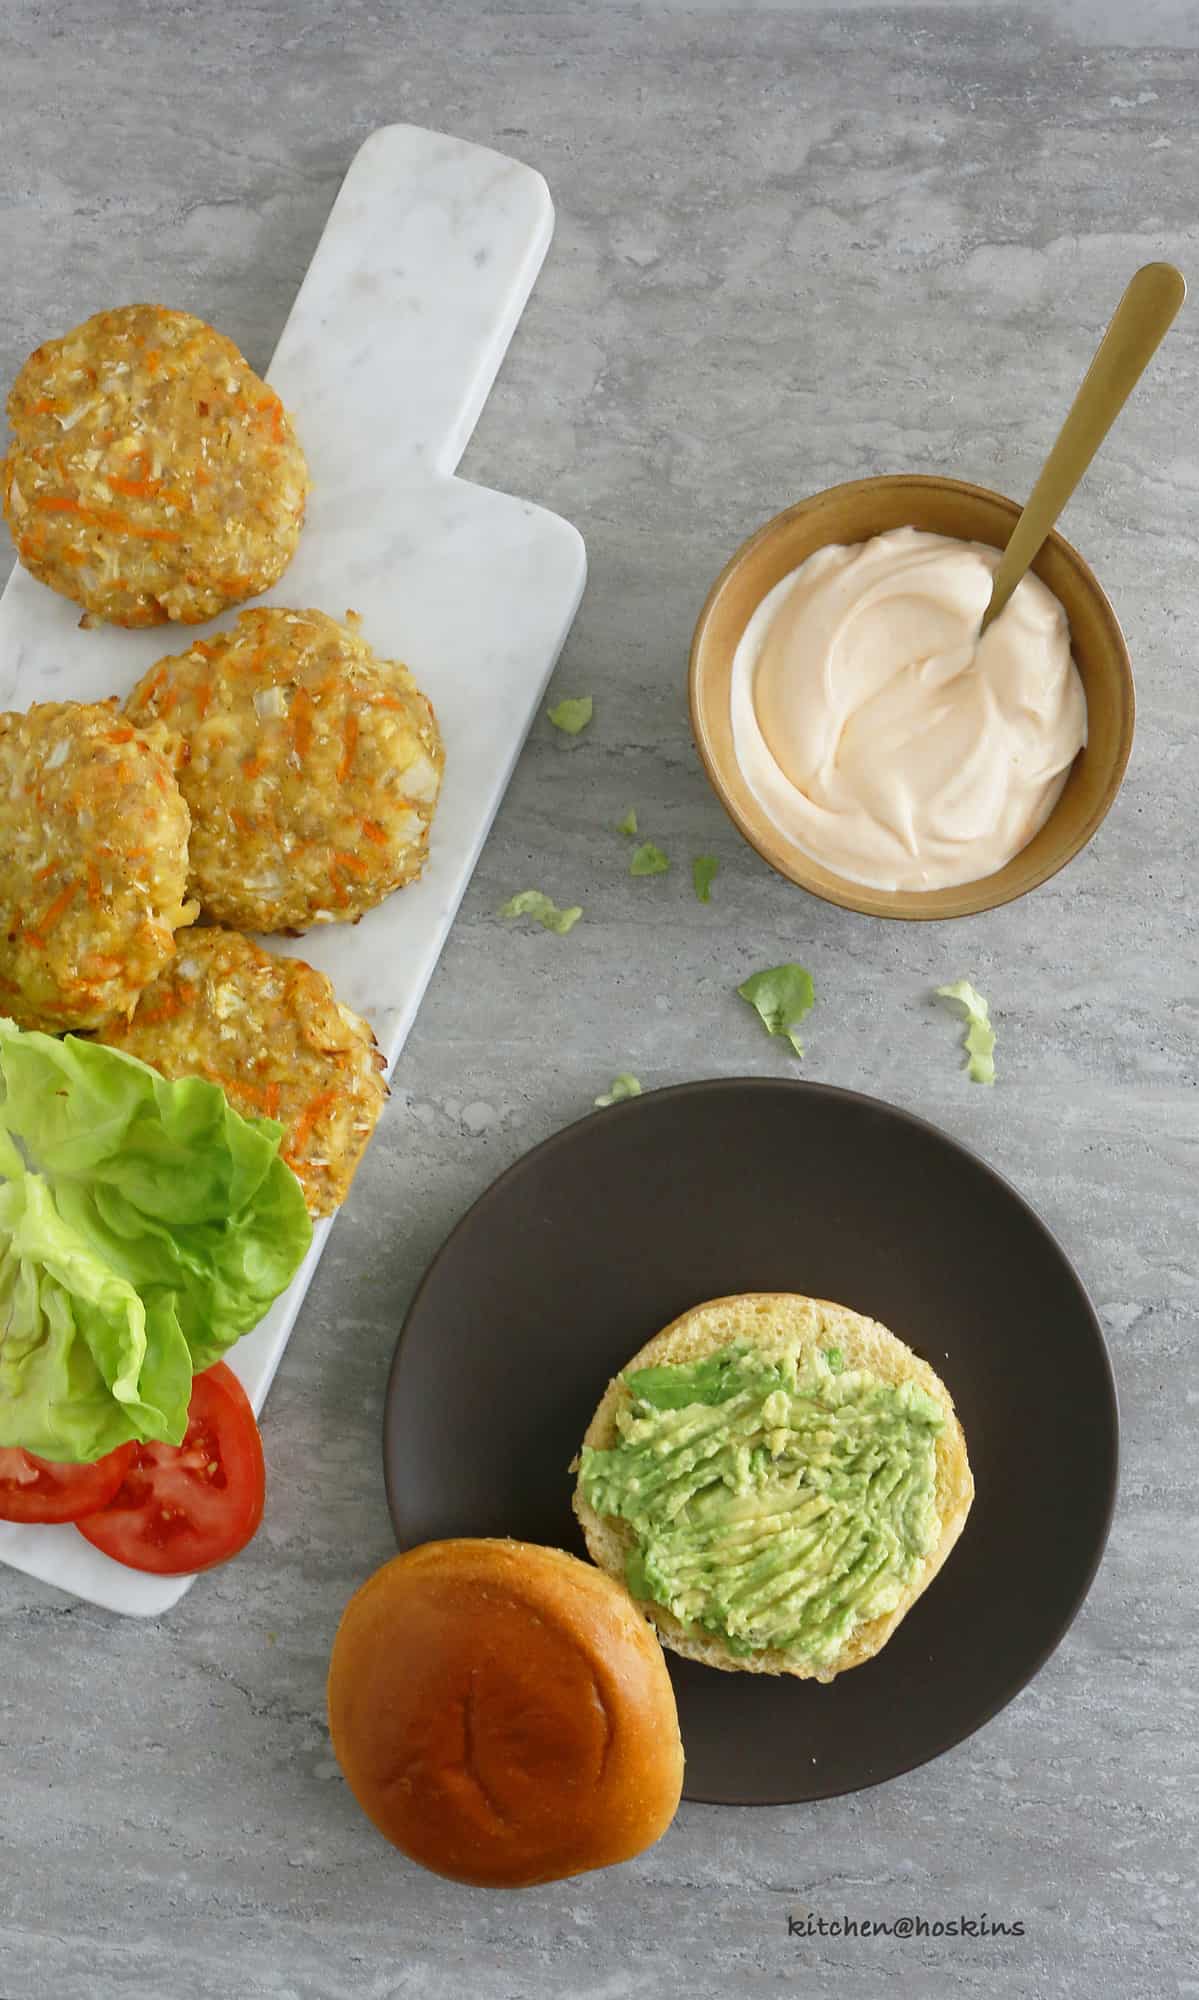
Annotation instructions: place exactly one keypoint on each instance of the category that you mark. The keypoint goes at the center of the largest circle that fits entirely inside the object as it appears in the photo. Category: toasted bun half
(778, 1322)
(503, 1713)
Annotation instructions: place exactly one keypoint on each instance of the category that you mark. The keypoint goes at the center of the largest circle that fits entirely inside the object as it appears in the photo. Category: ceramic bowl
(854, 513)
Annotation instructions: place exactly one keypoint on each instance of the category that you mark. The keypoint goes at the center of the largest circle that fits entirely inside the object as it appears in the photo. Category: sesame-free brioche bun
(503, 1713)
(777, 1323)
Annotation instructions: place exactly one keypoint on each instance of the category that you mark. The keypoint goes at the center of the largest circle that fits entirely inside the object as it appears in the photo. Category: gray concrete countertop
(794, 246)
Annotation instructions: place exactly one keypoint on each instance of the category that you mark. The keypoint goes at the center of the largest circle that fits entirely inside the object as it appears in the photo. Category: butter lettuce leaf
(648, 860)
(781, 996)
(572, 715)
(144, 1227)
(83, 1366)
(532, 903)
(621, 1086)
(629, 823)
(704, 870)
(979, 1038)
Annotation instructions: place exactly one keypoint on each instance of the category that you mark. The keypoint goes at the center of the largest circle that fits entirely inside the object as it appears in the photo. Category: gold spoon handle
(1137, 326)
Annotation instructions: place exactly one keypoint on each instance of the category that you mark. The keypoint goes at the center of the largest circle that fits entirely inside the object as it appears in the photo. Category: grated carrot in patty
(349, 745)
(301, 722)
(137, 489)
(104, 517)
(173, 1000)
(50, 916)
(301, 1131)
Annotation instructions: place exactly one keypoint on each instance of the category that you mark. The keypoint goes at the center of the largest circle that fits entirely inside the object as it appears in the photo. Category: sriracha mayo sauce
(882, 735)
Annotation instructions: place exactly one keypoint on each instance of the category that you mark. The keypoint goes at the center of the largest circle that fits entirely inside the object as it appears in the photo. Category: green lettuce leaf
(83, 1366)
(531, 903)
(572, 715)
(781, 995)
(621, 1086)
(144, 1227)
(704, 870)
(648, 860)
(629, 823)
(979, 1038)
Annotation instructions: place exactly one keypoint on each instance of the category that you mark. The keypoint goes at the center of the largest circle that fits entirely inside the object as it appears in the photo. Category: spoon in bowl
(1137, 326)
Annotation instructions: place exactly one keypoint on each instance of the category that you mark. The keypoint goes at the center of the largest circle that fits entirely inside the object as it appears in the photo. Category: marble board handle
(411, 260)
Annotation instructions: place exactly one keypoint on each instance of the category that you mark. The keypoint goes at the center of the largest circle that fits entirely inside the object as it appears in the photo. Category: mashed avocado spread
(776, 1501)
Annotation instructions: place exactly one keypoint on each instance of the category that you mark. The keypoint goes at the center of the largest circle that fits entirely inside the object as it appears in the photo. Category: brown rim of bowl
(1101, 653)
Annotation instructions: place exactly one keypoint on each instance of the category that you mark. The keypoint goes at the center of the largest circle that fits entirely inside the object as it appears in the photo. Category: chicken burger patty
(272, 1032)
(311, 767)
(93, 862)
(152, 475)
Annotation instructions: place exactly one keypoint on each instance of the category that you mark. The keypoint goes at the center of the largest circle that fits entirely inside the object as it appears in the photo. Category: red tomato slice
(183, 1507)
(38, 1489)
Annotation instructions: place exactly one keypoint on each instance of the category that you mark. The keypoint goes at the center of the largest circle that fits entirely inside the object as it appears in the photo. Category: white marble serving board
(415, 290)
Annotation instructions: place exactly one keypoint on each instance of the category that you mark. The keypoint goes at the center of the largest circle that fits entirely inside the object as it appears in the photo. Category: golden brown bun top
(503, 1713)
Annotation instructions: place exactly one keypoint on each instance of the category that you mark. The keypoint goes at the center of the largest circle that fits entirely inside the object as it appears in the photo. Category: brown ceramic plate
(600, 1236)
